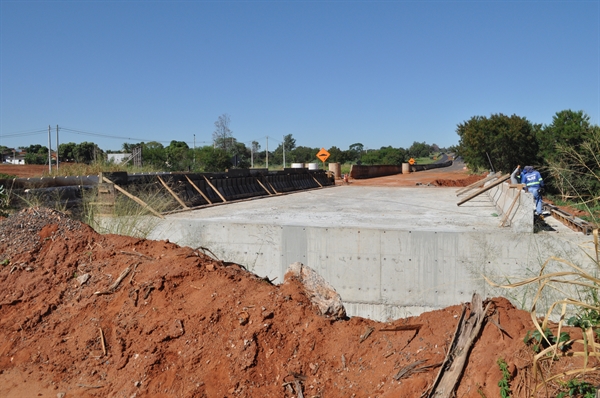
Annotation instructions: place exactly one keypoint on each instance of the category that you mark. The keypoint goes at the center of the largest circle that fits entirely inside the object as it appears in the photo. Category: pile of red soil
(75, 323)
(462, 182)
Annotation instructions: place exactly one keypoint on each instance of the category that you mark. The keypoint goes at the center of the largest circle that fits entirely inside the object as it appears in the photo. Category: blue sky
(328, 72)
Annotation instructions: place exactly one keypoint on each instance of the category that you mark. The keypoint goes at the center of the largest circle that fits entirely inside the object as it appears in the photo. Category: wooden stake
(265, 188)
(172, 193)
(273, 188)
(215, 189)
(313, 177)
(484, 189)
(134, 198)
(199, 190)
(510, 208)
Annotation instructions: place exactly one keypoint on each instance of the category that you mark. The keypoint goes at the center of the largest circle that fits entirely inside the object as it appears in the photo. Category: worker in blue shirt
(533, 183)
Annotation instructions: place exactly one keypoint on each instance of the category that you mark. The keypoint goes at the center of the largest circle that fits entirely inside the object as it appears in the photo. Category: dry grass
(580, 291)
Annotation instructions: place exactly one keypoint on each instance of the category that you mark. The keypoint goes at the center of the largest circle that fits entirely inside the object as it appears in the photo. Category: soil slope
(181, 324)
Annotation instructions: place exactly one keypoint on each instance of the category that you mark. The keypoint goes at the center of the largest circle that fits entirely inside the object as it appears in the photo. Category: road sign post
(323, 155)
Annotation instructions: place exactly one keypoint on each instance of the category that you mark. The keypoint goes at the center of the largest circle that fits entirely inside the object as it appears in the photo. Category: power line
(111, 136)
(25, 134)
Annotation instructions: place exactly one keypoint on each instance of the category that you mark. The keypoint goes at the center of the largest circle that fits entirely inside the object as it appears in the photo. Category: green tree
(240, 155)
(36, 154)
(178, 156)
(419, 150)
(371, 157)
(127, 147)
(575, 170)
(66, 152)
(37, 148)
(212, 159)
(87, 152)
(568, 129)
(392, 156)
(507, 141)
(337, 155)
(153, 153)
(35, 158)
(355, 151)
(304, 154)
(288, 144)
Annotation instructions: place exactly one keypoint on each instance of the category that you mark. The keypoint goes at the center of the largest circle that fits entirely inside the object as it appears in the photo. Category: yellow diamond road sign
(411, 161)
(323, 155)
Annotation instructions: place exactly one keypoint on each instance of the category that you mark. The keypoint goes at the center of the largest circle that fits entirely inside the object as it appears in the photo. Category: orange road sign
(323, 155)
(411, 161)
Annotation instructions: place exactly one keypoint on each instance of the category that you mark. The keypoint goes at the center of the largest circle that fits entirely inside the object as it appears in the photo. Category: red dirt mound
(88, 315)
(463, 182)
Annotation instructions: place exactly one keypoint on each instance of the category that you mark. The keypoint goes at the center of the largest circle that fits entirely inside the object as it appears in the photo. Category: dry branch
(114, 286)
(456, 359)
(366, 334)
(102, 342)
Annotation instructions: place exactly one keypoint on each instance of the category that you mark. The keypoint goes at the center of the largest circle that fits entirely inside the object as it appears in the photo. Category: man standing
(533, 183)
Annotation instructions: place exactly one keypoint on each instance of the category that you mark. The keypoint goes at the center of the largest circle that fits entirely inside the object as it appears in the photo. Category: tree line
(227, 152)
(566, 150)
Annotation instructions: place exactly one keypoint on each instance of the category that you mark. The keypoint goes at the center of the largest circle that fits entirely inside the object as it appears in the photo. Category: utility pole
(283, 149)
(194, 148)
(57, 147)
(267, 153)
(49, 151)
(252, 155)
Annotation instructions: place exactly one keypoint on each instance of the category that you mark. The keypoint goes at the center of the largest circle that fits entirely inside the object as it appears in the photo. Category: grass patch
(128, 217)
(82, 169)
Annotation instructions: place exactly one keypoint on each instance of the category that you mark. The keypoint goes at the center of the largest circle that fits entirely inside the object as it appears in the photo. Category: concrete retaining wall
(361, 172)
(380, 274)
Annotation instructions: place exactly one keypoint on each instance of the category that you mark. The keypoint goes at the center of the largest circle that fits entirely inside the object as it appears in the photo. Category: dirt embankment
(180, 324)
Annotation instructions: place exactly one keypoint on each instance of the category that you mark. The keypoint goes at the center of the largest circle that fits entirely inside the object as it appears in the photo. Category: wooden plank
(477, 184)
(510, 208)
(172, 193)
(313, 177)
(199, 190)
(273, 188)
(215, 189)
(134, 198)
(484, 189)
(265, 188)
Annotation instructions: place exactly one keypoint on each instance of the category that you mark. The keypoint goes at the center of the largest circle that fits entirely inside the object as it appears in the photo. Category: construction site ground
(89, 315)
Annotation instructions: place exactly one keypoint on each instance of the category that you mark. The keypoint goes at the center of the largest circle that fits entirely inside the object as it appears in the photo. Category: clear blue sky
(328, 72)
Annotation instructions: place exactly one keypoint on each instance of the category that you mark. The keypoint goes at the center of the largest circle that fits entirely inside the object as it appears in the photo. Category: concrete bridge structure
(390, 252)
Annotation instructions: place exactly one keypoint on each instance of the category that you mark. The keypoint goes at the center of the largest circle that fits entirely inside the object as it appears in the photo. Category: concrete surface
(389, 252)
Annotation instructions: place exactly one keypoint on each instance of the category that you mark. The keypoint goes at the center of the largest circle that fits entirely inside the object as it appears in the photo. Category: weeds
(504, 383)
(128, 217)
(578, 389)
(539, 341)
(585, 284)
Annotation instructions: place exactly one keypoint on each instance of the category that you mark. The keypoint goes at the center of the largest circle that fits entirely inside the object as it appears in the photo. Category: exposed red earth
(181, 324)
